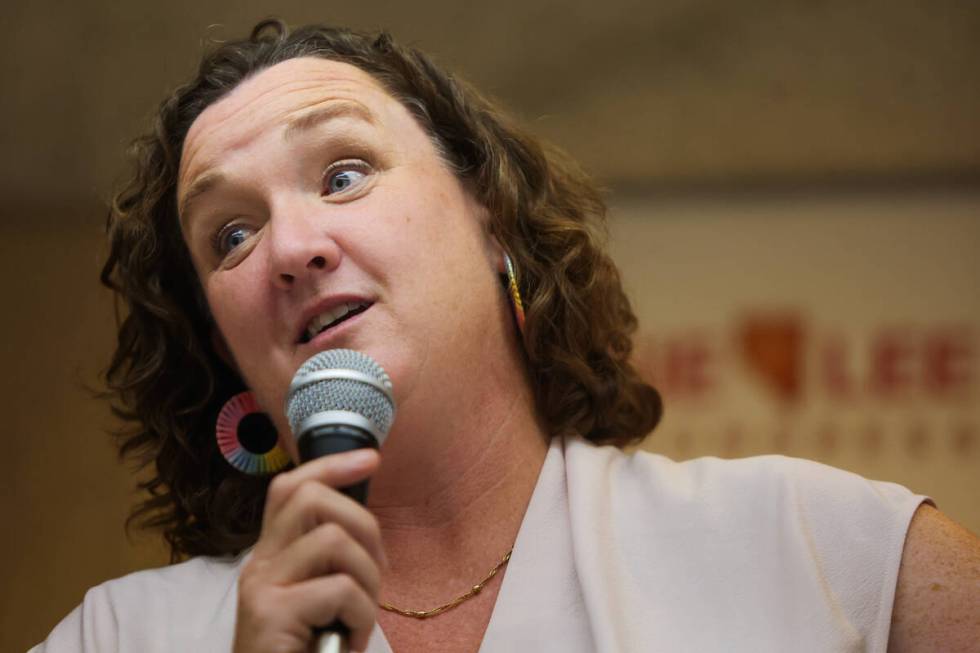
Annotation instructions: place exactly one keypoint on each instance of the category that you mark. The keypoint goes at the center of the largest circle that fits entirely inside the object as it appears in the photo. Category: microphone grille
(310, 393)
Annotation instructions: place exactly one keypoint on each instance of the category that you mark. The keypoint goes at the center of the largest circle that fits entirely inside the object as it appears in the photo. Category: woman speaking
(318, 190)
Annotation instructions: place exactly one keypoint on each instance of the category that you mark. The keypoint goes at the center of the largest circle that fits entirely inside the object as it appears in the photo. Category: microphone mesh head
(318, 396)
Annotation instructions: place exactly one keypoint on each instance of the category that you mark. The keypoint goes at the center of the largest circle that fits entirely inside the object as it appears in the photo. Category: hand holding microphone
(316, 566)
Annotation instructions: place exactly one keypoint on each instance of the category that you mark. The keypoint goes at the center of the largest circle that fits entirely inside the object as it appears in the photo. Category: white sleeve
(187, 607)
(89, 628)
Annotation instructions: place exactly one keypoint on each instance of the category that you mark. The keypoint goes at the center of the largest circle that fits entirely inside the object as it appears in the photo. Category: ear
(497, 254)
(493, 250)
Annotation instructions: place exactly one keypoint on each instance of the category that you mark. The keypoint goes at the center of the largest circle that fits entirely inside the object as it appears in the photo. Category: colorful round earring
(247, 438)
(514, 293)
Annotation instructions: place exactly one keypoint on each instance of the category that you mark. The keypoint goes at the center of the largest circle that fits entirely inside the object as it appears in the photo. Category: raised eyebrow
(204, 183)
(304, 122)
(326, 112)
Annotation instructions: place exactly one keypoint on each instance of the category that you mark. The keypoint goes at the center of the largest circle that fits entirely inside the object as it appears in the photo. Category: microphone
(339, 400)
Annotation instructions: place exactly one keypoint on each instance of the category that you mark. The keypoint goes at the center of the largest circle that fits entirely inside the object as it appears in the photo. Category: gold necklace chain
(473, 591)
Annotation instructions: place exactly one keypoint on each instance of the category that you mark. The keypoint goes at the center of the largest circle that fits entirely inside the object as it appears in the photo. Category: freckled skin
(937, 601)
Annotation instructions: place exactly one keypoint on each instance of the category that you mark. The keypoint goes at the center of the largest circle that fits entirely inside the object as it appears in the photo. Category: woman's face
(319, 215)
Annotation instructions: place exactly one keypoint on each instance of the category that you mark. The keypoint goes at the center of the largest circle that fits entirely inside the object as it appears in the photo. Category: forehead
(277, 96)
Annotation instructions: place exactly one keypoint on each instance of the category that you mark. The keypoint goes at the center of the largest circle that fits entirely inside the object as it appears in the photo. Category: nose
(300, 247)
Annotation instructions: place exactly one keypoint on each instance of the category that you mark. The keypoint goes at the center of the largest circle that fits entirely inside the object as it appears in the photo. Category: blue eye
(343, 179)
(231, 237)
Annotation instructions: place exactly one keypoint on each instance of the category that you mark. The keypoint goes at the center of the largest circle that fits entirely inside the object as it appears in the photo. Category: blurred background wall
(795, 191)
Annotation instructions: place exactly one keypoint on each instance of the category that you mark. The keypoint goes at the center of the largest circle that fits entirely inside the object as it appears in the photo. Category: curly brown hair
(165, 378)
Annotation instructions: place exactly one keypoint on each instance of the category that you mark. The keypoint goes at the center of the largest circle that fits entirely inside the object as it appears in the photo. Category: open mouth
(331, 318)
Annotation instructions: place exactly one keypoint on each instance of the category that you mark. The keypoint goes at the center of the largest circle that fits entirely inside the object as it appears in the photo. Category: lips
(331, 317)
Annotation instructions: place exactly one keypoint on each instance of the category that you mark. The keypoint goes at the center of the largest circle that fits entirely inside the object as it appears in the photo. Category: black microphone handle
(324, 441)
(337, 438)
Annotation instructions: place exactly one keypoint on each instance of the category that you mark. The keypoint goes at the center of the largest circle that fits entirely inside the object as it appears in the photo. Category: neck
(450, 496)
(437, 483)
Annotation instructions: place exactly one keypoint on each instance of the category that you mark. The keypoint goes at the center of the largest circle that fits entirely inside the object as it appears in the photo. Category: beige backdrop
(841, 327)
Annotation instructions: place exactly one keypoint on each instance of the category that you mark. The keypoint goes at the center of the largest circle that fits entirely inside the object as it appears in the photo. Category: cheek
(247, 339)
(235, 297)
(229, 306)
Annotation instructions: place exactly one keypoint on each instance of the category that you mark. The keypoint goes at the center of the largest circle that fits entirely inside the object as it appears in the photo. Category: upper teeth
(321, 321)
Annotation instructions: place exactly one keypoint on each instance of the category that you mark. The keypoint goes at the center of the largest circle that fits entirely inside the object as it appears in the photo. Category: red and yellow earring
(247, 438)
(514, 293)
